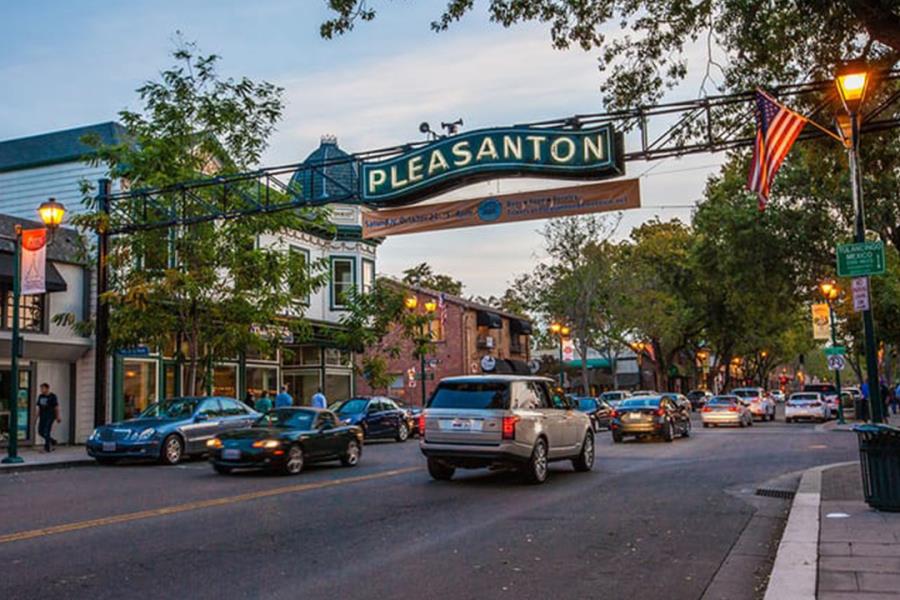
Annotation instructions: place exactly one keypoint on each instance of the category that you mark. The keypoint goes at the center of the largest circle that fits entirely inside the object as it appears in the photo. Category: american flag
(777, 130)
(442, 306)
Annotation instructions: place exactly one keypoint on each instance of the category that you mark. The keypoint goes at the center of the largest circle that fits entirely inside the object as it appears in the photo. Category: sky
(65, 64)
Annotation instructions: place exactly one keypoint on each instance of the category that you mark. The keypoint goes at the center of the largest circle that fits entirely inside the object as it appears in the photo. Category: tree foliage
(422, 275)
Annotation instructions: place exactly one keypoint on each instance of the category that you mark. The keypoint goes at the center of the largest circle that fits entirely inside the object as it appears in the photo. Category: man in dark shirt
(48, 412)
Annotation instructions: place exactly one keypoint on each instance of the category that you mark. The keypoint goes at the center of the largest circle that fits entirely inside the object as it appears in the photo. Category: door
(393, 416)
(206, 423)
(234, 415)
(330, 438)
(375, 419)
(554, 416)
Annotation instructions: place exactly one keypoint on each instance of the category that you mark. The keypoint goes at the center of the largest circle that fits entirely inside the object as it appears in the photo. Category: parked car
(512, 421)
(379, 417)
(412, 412)
(287, 439)
(170, 430)
(726, 410)
(597, 409)
(613, 397)
(761, 405)
(777, 396)
(829, 395)
(806, 405)
(698, 398)
(651, 416)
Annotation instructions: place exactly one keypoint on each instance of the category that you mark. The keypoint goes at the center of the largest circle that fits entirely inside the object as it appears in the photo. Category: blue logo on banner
(490, 210)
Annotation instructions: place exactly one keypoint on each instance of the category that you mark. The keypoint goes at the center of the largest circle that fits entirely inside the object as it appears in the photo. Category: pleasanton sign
(490, 153)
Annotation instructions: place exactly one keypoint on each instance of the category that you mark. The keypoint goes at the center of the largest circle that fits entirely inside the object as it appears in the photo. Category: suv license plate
(231, 454)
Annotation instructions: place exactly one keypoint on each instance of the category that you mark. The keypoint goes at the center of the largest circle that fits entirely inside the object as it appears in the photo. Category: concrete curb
(63, 464)
(795, 572)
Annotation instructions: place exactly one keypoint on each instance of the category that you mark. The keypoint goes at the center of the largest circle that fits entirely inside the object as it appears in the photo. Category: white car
(777, 395)
(760, 404)
(806, 405)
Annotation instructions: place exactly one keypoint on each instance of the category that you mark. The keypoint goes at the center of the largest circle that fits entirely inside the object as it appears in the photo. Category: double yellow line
(197, 505)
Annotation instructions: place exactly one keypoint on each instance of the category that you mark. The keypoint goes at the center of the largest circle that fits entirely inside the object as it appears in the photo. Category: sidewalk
(859, 548)
(35, 458)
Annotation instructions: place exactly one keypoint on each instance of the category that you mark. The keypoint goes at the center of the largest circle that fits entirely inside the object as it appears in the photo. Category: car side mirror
(201, 417)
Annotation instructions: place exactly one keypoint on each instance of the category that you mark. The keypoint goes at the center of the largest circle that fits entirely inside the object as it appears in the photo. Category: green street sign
(835, 351)
(859, 260)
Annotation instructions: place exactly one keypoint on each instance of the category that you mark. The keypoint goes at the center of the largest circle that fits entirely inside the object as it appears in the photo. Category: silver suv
(503, 420)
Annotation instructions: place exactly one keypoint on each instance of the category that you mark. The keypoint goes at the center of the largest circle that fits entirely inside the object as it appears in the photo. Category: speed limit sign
(836, 362)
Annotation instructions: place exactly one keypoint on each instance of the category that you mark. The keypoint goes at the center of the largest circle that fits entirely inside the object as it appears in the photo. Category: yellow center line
(197, 505)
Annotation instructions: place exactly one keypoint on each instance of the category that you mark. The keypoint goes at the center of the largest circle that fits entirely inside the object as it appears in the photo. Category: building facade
(55, 165)
(469, 338)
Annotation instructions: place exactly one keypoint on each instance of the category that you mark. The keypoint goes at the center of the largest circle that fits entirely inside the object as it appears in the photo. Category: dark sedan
(599, 411)
(413, 412)
(651, 416)
(379, 417)
(286, 440)
(169, 430)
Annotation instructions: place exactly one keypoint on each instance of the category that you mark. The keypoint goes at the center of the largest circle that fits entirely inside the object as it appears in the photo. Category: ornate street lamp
(561, 332)
(51, 213)
(412, 303)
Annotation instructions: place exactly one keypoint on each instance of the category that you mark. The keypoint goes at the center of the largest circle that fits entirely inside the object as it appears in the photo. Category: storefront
(307, 368)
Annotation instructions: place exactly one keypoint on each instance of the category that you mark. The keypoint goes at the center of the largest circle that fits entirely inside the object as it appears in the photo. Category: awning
(489, 319)
(55, 281)
(592, 363)
(520, 327)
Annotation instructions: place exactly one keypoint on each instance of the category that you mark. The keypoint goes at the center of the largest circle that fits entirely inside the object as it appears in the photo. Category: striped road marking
(197, 505)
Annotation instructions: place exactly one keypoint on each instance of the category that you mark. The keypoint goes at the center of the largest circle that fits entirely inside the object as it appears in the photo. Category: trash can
(879, 457)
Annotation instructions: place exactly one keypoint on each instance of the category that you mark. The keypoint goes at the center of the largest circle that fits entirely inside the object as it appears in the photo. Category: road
(653, 520)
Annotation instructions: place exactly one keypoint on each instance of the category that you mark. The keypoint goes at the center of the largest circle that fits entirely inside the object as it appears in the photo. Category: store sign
(34, 261)
(507, 208)
(488, 154)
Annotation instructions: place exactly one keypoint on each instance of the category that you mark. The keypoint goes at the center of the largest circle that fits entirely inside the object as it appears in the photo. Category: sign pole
(837, 372)
(876, 408)
(12, 448)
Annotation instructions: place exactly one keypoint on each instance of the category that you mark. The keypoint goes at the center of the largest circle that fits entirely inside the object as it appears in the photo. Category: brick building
(465, 334)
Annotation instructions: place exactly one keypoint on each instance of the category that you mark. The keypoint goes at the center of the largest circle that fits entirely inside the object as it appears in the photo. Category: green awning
(592, 363)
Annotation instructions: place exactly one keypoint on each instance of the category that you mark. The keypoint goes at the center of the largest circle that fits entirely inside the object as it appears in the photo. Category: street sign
(860, 287)
(857, 260)
(835, 351)
(134, 351)
(836, 362)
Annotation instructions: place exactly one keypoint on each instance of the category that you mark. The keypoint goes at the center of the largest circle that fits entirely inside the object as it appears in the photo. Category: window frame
(307, 256)
(332, 296)
(366, 262)
(6, 294)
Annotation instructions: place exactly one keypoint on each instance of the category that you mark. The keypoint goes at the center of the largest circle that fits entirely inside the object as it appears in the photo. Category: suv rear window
(481, 394)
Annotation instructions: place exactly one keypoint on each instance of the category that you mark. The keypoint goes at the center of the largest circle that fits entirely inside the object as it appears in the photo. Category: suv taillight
(509, 427)
(422, 424)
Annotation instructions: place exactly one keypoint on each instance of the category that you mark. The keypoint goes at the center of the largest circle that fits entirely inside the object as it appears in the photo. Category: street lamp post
(852, 81)
(51, 213)
(638, 348)
(561, 332)
(830, 291)
(411, 303)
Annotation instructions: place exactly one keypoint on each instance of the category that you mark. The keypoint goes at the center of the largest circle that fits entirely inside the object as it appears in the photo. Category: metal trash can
(879, 457)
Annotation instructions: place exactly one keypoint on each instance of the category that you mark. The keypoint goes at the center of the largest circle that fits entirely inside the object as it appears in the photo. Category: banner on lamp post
(821, 320)
(34, 261)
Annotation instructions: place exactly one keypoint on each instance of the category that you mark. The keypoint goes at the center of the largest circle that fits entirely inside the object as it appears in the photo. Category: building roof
(329, 180)
(56, 147)
(458, 300)
(65, 246)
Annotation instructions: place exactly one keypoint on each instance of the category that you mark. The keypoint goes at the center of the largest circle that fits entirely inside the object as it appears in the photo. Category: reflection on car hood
(141, 424)
(259, 433)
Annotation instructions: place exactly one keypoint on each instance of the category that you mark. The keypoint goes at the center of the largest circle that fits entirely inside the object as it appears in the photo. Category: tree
(747, 43)
(422, 275)
(209, 291)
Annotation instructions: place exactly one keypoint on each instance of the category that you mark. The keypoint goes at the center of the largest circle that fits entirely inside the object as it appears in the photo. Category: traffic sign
(857, 260)
(836, 362)
(835, 351)
(860, 287)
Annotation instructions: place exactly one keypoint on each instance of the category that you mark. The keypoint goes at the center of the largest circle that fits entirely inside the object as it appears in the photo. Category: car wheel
(222, 470)
(669, 434)
(585, 460)
(293, 463)
(172, 450)
(439, 470)
(351, 456)
(687, 429)
(536, 469)
(402, 432)
(617, 437)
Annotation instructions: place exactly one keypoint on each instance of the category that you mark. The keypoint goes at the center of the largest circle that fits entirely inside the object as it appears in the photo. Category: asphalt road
(653, 520)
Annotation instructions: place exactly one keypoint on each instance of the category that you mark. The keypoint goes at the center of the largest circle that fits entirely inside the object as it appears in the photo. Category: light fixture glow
(52, 213)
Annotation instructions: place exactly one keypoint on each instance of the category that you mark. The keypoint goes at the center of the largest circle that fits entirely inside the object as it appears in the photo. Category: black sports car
(287, 439)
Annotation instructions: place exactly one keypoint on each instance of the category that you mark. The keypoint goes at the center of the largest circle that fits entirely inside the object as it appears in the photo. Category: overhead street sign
(858, 260)
(836, 362)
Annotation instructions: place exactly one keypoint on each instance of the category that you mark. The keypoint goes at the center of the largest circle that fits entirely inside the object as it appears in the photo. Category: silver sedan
(726, 410)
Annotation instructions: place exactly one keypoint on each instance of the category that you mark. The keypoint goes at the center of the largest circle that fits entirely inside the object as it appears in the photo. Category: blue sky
(65, 64)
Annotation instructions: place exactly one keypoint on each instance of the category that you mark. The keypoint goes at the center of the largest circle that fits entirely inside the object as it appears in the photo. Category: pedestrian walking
(895, 400)
(264, 404)
(283, 399)
(48, 412)
(250, 400)
(319, 400)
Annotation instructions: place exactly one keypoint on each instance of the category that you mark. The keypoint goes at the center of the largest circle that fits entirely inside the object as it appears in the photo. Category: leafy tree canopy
(422, 275)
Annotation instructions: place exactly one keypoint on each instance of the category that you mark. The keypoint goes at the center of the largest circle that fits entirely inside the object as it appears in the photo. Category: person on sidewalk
(319, 400)
(283, 399)
(895, 400)
(250, 400)
(264, 404)
(48, 412)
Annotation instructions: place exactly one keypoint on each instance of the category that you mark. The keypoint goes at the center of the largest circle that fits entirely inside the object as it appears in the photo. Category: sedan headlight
(266, 444)
(147, 434)
(214, 443)
(95, 434)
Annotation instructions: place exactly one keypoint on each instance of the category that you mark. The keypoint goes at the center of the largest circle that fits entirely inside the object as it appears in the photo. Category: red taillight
(509, 427)
(660, 412)
(422, 424)
(614, 414)
(734, 409)
(706, 409)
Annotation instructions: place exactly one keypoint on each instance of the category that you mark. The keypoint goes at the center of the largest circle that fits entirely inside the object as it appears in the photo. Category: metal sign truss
(711, 124)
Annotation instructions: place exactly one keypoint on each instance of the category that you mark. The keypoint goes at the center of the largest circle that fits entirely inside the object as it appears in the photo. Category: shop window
(437, 330)
(139, 386)
(302, 385)
(368, 276)
(225, 381)
(260, 379)
(23, 405)
(31, 311)
(337, 386)
(398, 383)
(337, 358)
(302, 254)
(343, 280)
